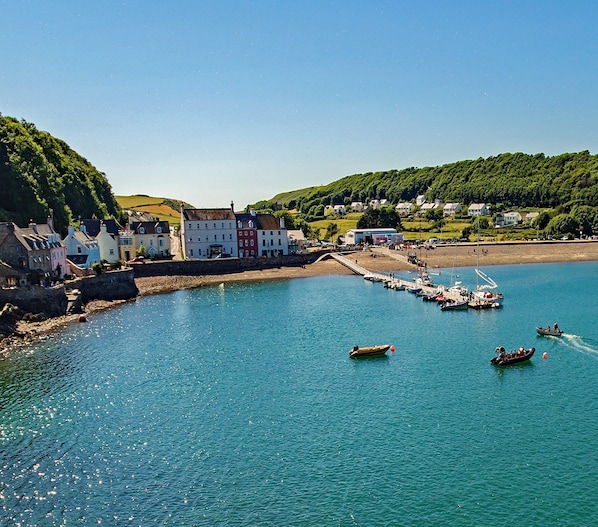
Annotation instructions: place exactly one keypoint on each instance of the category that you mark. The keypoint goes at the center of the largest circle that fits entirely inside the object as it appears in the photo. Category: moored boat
(452, 305)
(506, 358)
(369, 351)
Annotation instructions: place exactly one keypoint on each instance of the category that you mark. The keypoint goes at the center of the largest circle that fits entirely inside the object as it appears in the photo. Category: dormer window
(159, 230)
(141, 230)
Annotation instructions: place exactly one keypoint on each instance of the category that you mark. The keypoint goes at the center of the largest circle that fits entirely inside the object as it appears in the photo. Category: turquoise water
(239, 406)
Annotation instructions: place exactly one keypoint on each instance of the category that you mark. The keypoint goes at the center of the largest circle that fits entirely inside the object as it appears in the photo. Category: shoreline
(381, 260)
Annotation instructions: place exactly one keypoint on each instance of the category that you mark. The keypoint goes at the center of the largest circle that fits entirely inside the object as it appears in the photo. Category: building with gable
(151, 238)
(478, 209)
(81, 249)
(247, 238)
(272, 235)
(36, 248)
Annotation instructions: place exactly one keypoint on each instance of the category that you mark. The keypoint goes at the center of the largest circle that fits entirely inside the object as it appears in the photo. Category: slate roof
(151, 227)
(208, 214)
(93, 226)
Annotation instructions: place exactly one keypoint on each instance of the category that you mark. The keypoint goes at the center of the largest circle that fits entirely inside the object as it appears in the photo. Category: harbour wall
(221, 265)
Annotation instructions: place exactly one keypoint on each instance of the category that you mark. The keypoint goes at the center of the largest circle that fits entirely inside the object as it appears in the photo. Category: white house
(272, 238)
(373, 236)
(531, 216)
(478, 209)
(108, 245)
(357, 206)
(340, 210)
(450, 209)
(405, 209)
(507, 219)
(420, 200)
(81, 249)
(208, 233)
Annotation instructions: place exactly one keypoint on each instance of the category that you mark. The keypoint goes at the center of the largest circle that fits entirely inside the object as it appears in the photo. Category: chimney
(232, 205)
(252, 211)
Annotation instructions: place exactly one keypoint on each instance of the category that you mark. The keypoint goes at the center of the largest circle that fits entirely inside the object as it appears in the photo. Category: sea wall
(110, 285)
(221, 265)
(49, 301)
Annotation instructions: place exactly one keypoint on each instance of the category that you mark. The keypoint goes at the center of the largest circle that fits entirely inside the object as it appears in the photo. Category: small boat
(430, 298)
(414, 290)
(451, 305)
(549, 332)
(504, 358)
(369, 351)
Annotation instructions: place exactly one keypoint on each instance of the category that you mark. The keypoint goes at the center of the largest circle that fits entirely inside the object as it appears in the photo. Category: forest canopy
(41, 175)
(507, 180)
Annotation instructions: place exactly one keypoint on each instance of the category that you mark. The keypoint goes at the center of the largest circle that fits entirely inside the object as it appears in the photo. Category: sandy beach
(443, 256)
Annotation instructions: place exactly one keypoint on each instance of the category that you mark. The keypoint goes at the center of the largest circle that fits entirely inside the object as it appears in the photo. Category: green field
(161, 208)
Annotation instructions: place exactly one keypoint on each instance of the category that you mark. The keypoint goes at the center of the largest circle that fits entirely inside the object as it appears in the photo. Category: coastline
(382, 260)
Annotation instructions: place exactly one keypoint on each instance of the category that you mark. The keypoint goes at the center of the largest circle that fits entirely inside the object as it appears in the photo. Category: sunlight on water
(239, 405)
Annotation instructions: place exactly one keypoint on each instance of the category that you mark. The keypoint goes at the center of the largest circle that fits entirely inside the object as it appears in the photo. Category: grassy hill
(165, 209)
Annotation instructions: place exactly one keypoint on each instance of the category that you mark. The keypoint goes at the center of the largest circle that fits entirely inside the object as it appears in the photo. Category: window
(215, 237)
(230, 236)
(159, 230)
(79, 250)
(279, 241)
(223, 225)
(199, 238)
(206, 225)
(214, 225)
(141, 230)
(223, 237)
(246, 244)
(191, 252)
(251, 245)
(198, 225)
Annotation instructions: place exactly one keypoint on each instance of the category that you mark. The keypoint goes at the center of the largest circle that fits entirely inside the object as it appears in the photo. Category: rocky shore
(443, 256)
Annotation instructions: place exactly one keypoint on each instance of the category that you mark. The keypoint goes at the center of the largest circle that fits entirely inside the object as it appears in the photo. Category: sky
(217, 101)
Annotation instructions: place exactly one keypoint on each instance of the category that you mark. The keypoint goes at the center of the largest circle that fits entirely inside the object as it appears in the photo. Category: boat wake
(579, 344)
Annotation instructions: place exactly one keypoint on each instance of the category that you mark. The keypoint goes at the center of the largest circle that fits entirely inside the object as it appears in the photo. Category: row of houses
(407, 208)
(223, 233)
(38, 253)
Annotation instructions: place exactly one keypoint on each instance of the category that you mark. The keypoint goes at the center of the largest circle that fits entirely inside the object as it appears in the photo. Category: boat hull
(369, 351)
(506, 359)
(548, 332)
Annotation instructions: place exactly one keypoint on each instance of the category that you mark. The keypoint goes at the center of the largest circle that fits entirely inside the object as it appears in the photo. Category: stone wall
(50, 301)
(111, 285)
(220, 265)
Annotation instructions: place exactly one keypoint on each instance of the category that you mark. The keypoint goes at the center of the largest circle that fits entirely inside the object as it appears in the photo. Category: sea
(238, 405)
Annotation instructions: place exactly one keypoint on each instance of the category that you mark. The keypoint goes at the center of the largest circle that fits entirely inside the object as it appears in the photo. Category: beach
(378, 259)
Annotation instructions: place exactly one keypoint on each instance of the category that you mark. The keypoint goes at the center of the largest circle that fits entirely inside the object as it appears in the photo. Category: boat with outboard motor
(506, 358)
(549, 331)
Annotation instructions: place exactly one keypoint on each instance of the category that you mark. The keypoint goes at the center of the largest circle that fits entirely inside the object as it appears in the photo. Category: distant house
(405, 208)
(450, 209)
(531, 216)
(478, 209)
(340, 210)
(420, 200)
(507, 219)
(357, 206)
(375, 204)
(106, 233)
(430, 206)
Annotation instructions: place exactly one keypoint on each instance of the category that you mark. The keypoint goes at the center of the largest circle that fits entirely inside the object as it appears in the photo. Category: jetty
(421, 281)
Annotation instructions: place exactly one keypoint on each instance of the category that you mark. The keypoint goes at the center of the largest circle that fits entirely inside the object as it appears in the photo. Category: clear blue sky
(213, 101)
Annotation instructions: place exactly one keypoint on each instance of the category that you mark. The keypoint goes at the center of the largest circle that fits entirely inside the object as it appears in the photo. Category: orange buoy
(392, 349)
(545, 355)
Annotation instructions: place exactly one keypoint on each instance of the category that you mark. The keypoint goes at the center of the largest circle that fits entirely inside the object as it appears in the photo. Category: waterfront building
(208, 233)
(81, 249)
(380, 236)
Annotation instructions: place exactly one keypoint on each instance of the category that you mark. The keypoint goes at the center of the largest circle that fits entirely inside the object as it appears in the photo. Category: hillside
(41, 175)
(507, 180)
(166, 209)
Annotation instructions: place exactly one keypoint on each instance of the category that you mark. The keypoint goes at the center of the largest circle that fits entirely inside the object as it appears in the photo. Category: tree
(380, 218)
(563, 224)
(541, 221)
(331, 231)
